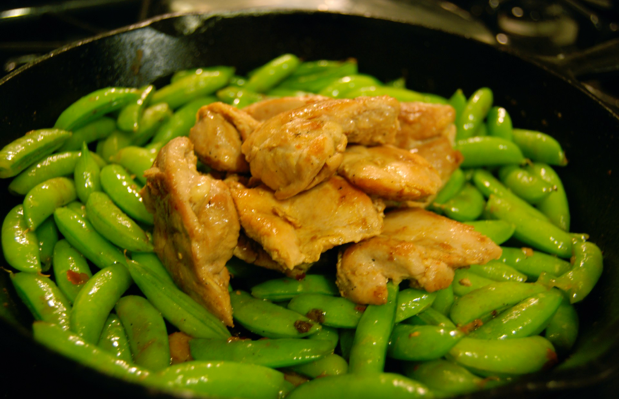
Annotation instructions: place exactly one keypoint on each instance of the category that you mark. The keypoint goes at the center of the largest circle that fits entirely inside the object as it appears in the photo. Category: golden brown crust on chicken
(441, 155)
(218, 135)
(196, 225)
(421, 121)
(265, 109)
(297, 230)
(389, 172)
(414, 244)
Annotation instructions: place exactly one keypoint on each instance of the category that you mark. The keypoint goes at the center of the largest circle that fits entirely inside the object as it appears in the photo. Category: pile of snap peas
(80, 248)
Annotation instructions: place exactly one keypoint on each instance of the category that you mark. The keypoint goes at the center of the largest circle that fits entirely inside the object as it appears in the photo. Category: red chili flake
(475, 324)
(552, 359)
(302, 326)
(360, 308)
(76, 278)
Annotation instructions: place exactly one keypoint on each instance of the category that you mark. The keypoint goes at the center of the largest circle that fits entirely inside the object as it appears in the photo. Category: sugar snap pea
(562, 329)
(239, 97)
(152, 119)
(443, 300)
(524, 184)
(328, 365)
(98, 129)
(178, 75)
(87, 175)
(96, 299)
(78, 208)
(328, 334)
(533, 263)
(44, 198)
(467, 205)
(504, 358)
(135, 160)
(20, 244)
(55, 165)
(540, 147)
(71, 270)
(94, 105)
(176, 306)
(43, 298)
(498, 231)
(347, 337)
(412, 301)
(431, 317)
(114, 340)
(328, 310)
(458, 102)
(146, 332)
(449, 190)
(123, 190)
(498, 271)
(28, 149)
(287, 288)
(129, 117)
(500, 123)
(151, 261)
(466, 281)
(82, 235)
(47, 234)
(116, 141)
(418, 343)
(319, 77)
(181, 122)
(369, 348)
(340, 87)
(474, 113)
(555, 206)
(488, 151)
(399, 94)
(370, 386)
(269, 320)
(192, 87)
(273, 72)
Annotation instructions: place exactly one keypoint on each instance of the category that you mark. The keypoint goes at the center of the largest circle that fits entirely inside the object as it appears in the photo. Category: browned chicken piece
(297, 230)
(265, 109)
(421, 121)
(441, 155)
(389, 172)
(218, 135)
(196, 225)
(296, 150)
(415, 244)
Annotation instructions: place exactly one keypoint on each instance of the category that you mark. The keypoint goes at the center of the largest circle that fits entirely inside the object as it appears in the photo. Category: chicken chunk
(441, 155)
(421, 121)
(297, 230)
(265, 109)
(389, 172)
(414, 244)
(218, 135)
(296, 150)
(196, 225)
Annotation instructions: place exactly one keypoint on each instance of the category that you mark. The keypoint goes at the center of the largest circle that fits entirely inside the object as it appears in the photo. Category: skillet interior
(432, 61)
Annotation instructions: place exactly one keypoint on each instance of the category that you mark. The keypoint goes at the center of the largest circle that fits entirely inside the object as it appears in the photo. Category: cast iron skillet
(432, 61)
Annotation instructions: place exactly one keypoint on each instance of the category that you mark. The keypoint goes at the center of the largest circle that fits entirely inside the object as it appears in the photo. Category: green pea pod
(87, 175)
(328, 365)
(181, 122)
(319, 78)
(28, 149)
(82, 235)
(587, 269)
(78, 208)
(498, 231)
(539, 234)
(431, 317)
(115, 225)
(458, 102)
(524, 319)
(116, 141)
(55, 165)
(43, 199)
(135, 160)
(122, 189)
(221, 379)
(498, 271)
(313, 67)
(555, 206)
(192, 87)
(47, 234)
(71, 270)
(240, 97)
(500, 123)
(466, 281)
(504, 358)
(327, 334)
(76, 348)
(114, 340)
(419, 343)
(283, 92)
(94, 105)
(474, 113)
(151, 261)
(20, 244)
(96, 299)
(443, 300)
(347, 337)
(399, 82)
(488, 151)
(273, 72)
(328, 310)
(399, 94)
(130, 115)
(524, 184)
(287, 288)
(411, 302)
(176, 307)
(340, 87)
(449, 190)
(178, 75)
(368, 386)
(43, 298)
(533, 263)
(485, 300)
(146, 332)
(540, 147)
(152, 119)
(562, 329)
(467, 205)
(275, 353)
(93, 131)
(269, 320)
(369, 349)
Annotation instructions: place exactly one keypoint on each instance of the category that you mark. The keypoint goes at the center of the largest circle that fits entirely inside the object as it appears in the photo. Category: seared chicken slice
(421, 121)
(265, 109)
(441, 155)
(296, 150)
(297, 230)
(218, 135)
(414, 244)
(389, 172)
(196, 225)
